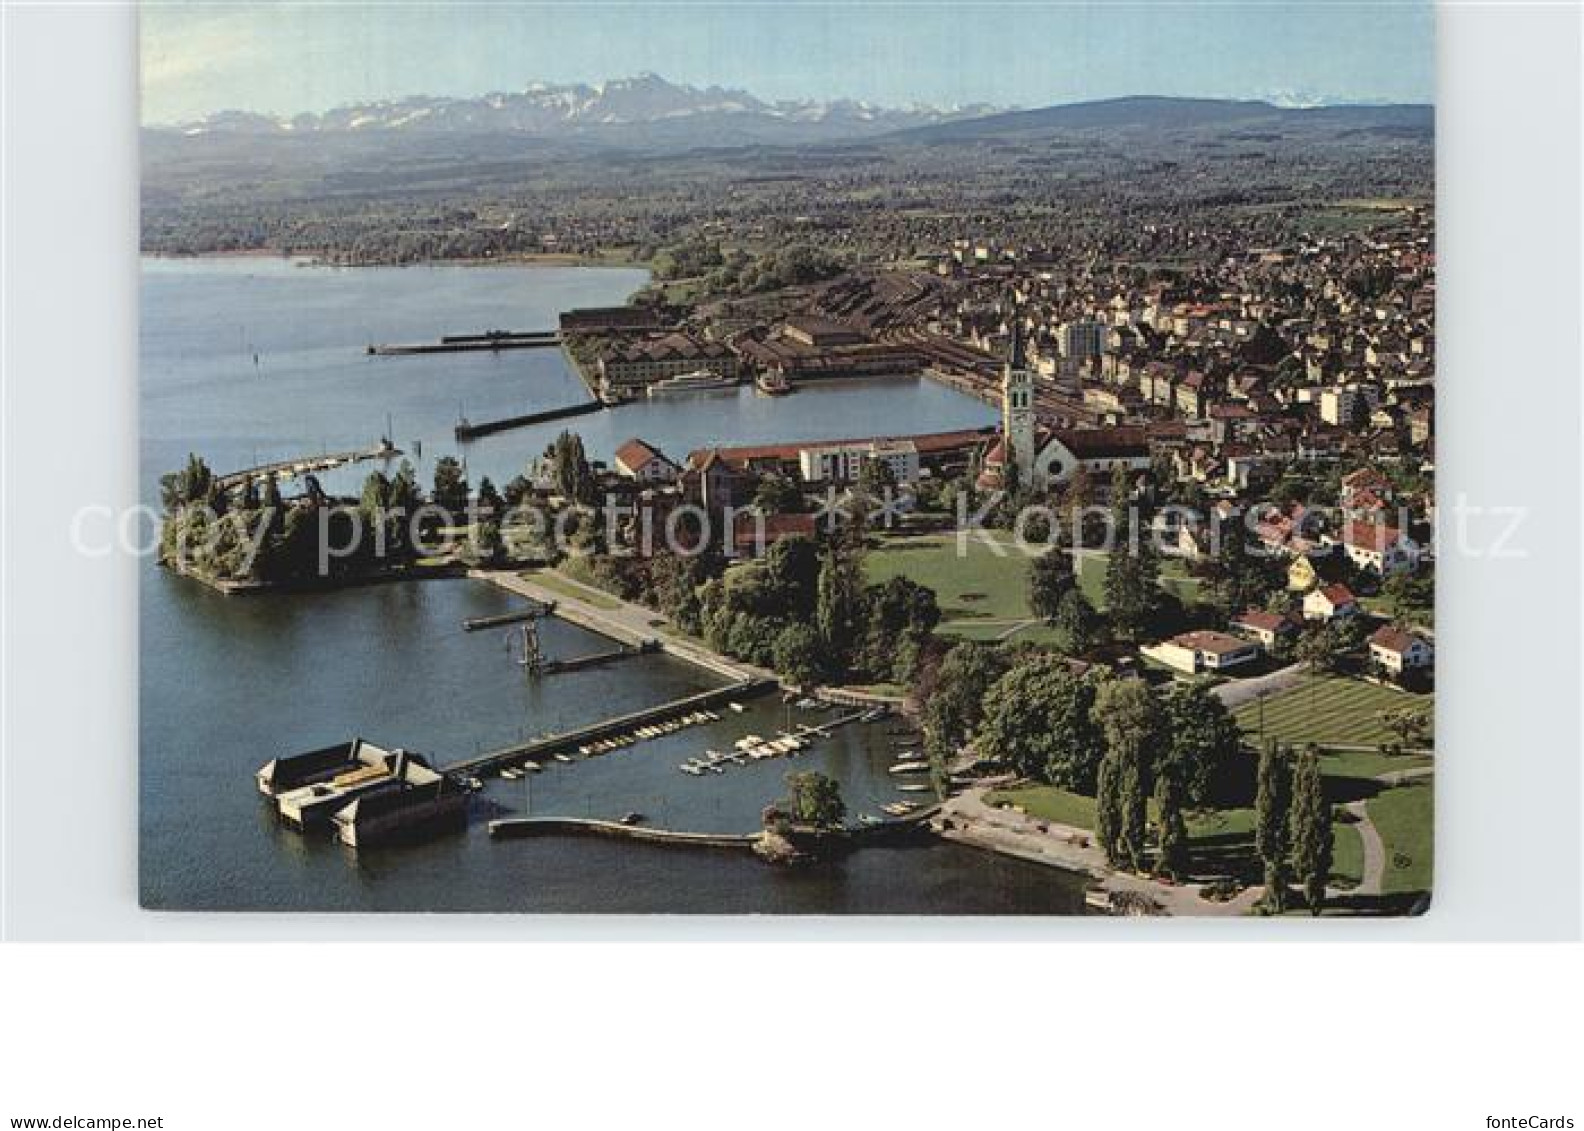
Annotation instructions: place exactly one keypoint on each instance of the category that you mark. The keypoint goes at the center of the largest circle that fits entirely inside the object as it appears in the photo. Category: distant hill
(1161, 113)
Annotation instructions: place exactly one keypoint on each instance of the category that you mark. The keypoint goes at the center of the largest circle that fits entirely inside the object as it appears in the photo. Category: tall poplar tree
(1311, 830)
(1170, 795)
(1271, 831)
(1130, 715)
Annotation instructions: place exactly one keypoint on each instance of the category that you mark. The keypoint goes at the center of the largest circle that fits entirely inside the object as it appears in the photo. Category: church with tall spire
(1046, 457)
(1017, 405)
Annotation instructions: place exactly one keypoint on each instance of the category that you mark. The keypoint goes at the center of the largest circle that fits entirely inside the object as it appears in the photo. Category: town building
(637, 460)
(1396, 651)
(1267, 628)
(633, 368)
(1330, 602)
(843, 463)
(1381, 548)
(1045, 456)
(1205, 651)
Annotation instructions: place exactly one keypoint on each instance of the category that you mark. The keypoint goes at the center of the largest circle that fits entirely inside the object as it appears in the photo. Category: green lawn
(983, 582)
(567, 587)
(1333, 709)
(1347, 853)
(1048, 804)
(1405, 818)
(1368, 764)
(983, 590)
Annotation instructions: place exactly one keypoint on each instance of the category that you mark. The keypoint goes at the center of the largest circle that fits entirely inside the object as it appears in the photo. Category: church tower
(1017, 406)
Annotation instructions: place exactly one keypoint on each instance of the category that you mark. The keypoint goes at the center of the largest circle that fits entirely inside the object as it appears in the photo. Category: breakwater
(466, 430)
(491, 340)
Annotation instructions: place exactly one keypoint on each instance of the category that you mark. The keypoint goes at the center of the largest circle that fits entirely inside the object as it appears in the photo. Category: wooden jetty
(489, 341)
(621, 725)
(598, 659)
(466, 430)
(534, 610)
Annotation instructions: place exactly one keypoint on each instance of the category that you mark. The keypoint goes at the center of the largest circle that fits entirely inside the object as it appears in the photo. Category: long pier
(469, 431)
(490, 341)
(548, 745)
(304, 465)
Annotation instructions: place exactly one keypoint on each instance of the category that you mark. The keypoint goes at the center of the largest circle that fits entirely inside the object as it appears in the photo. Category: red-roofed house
(638, 460)
(1384, 549)
(753, 533)
(1330, 602)
(1397, 651)
(1265, 627)
(1195, 652)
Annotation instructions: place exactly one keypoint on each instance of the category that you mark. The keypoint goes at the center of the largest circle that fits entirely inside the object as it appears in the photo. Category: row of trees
(1088, 732)
(251, 533)
(1292, 827)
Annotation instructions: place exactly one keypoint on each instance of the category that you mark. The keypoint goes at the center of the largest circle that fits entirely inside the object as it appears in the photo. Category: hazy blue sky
(291, 57)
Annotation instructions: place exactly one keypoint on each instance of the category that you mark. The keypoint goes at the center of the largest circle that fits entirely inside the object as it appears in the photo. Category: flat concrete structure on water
(366, 793)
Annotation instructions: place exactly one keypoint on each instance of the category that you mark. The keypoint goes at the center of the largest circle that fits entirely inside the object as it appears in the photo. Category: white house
(1195, 652)
(1384, 549)
(1330, 602)
(1267, 628)
(1397, 651)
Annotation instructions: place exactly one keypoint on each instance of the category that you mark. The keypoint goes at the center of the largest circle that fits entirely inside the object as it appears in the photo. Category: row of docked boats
(749, 748)
(617, 742)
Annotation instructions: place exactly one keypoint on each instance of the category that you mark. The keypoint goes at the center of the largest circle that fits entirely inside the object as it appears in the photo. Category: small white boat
(910, 768)
(563, 757)
(737, 707)
(531, 767)
(913, 787)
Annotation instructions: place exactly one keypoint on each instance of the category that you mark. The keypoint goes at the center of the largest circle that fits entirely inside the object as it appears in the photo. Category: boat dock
(490, 341)
(598, 659)
(753, 748)
(466, 430)
(534, 610)
(619, 727)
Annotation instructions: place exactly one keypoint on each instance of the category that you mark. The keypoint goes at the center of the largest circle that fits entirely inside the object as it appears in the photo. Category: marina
(425, 683)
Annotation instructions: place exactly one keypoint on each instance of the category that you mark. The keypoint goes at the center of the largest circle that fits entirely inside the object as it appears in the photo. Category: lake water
(228, 683)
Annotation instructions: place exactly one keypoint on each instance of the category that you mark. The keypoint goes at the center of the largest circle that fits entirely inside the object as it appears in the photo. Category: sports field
(1329, 709)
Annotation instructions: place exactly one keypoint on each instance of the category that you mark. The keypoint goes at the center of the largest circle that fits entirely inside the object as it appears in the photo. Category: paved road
(1240, 691)
(1374, 851)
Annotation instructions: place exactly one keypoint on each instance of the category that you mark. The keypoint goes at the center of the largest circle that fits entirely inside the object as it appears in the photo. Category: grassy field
(983, 583)
(1405, 818)
(1048, 803)
(983, 591)
(1347, 854)
(1333, 710)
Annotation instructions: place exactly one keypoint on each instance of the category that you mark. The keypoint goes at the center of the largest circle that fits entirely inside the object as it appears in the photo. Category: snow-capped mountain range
(548, 110)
